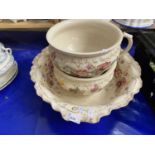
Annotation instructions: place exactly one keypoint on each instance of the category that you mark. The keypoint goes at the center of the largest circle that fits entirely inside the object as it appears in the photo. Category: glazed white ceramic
(85, 67)
(8, 66)
(9, 76)
(6, 59)
(135, 23)
(84, 86)
(85, 48)
(3, 49)
(118, 93)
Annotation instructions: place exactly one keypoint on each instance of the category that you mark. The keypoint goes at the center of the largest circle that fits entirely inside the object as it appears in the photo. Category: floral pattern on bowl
(86, 66)
(86, 108)
(85, 47)
(84, 86)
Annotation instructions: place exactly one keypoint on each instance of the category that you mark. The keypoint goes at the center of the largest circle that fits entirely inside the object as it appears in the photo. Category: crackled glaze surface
(118, 93)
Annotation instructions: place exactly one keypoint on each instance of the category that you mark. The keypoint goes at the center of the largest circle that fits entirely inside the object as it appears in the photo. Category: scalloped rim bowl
(118, 93)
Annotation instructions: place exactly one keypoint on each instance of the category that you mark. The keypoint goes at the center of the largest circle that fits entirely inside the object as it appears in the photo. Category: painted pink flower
(95, 88)
(81, 72)
(89, 66)
(103, 66)
(121, 82)
(117, 73)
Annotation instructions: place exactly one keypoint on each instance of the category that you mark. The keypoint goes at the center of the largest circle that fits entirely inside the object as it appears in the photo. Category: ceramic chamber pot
(85, 48)
(84, 86)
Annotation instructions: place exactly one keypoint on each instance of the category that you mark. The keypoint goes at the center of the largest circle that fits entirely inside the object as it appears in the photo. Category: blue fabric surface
(23, 112)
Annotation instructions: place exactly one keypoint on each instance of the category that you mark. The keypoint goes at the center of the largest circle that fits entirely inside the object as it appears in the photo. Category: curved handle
(8, 50)
(129, 37)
